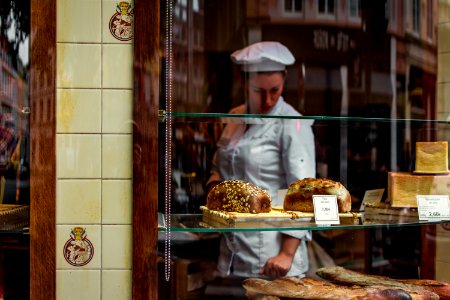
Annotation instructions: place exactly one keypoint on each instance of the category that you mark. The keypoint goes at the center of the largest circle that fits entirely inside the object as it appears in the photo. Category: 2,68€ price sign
(433, 207)
(325, 209)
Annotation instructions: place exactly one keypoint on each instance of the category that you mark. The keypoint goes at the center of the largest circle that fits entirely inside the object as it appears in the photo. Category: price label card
(325, 209)
(372, 196)
(433, 207)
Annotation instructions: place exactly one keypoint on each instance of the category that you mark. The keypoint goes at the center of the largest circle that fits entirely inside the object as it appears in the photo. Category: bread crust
(299, 194)
(308, 288)
(239, 196)
(340, 275)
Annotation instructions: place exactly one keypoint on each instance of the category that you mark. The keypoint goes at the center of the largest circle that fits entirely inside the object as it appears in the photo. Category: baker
(270, 153)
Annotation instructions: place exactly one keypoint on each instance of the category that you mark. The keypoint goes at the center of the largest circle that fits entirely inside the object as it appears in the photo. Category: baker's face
(264, 90)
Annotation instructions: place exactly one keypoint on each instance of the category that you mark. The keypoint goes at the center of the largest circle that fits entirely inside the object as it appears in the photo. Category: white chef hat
(263, 57)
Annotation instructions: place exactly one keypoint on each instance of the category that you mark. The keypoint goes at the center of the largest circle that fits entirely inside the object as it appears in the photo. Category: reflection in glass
(356, 59)
(366, 61)
(14, 102)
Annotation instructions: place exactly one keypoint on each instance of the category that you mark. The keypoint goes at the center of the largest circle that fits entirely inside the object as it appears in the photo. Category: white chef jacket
(271, 153)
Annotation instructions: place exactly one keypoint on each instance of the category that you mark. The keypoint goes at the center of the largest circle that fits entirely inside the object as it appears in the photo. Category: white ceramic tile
(78, 66)
(116, 284)
(91, 245)
(117, 156)
(444, 68)
(78, 111)
(78, 21)
(117, 66)
(109, 9)
(116, 246)
(117, 203)
(78, 284)
(117, 111)
(78, 156)
(78, 201)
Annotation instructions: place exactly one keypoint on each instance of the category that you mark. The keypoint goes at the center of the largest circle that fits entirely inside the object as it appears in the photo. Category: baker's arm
(280, 265)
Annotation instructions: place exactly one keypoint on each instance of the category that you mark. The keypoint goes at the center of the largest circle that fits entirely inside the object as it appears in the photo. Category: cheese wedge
(431, 157)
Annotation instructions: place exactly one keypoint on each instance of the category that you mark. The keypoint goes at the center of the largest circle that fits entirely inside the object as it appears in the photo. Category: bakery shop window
(352, 78)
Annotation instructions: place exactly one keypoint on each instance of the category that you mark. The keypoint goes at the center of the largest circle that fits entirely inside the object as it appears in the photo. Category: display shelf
(196, 223)
(194, 116)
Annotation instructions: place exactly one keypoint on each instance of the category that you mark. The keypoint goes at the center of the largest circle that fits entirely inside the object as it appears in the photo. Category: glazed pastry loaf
(239, 196)
(299, 194)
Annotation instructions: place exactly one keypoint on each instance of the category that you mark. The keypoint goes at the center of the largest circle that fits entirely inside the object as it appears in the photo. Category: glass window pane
(14, 102)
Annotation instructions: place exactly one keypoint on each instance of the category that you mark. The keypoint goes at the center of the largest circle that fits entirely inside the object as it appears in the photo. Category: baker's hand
(277, 266)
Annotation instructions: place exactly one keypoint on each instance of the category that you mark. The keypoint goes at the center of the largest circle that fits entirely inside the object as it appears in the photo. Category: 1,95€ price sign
(433, 207)
(325, 209)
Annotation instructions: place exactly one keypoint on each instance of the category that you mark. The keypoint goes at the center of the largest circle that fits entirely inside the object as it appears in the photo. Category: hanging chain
(168, 141)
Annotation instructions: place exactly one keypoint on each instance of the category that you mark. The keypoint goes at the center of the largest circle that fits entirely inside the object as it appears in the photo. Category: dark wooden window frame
(43, 155)
(145, 146)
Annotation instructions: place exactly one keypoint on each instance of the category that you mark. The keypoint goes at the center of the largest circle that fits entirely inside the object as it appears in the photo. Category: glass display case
(365, 78)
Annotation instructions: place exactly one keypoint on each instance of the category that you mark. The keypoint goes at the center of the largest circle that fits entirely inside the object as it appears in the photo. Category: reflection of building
(353, 58)
(14, 100)
(13, 87)
(188, 54)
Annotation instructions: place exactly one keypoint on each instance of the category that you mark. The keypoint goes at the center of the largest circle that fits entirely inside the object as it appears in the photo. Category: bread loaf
(239, 196)
(308, 288)
(299, 194)
(437, 287)
(340, 275)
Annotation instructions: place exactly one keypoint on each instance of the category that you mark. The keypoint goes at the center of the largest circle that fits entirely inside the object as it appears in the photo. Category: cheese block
(404, 187)
(431, 157)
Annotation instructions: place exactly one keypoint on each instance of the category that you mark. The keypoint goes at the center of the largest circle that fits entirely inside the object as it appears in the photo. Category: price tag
(433, 207)
(325, 209)
(372, 196)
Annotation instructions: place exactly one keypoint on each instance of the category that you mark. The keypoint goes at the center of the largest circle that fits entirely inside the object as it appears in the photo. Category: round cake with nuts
(238, 196)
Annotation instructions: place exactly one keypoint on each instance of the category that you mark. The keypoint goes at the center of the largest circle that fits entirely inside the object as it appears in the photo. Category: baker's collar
(276, 109)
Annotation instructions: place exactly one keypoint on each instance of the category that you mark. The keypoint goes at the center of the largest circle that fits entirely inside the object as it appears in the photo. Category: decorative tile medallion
(121, 23)
(78, 250)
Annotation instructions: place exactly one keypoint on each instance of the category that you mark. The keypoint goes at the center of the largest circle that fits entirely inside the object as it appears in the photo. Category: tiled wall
(94, 157)
(443, 94)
